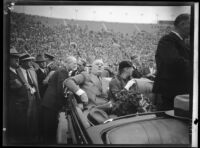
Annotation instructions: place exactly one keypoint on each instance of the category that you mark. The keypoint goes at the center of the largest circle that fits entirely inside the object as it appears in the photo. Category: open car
(94, 126)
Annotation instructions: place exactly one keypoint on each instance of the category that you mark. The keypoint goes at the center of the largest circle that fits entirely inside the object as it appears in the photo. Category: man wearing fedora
(29, 79)
(16, 102)
(42, 73)
(22, 111)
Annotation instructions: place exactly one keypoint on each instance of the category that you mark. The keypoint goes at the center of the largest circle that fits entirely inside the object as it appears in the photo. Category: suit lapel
(13, 72)
(33, 76)
(21, 75)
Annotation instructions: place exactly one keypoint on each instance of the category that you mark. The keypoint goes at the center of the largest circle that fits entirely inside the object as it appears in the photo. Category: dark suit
(51, 105)
(174, 69)
(136, 73)
(22, 110)
(41, 76)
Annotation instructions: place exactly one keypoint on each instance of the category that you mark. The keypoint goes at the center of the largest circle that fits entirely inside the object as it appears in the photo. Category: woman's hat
(40, 58)
(125, 64)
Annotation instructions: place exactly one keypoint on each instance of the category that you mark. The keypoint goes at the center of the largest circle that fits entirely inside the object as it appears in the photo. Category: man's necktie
(29, 78)
(100, 82)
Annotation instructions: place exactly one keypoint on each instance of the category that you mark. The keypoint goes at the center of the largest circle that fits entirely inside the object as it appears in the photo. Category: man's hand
(45, 82)
(130, 83)
(84, 98)
(82, 94)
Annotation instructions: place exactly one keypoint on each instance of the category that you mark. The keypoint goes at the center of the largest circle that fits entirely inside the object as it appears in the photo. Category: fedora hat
(14, 52)
(40, 58)
(97, 116)
(181, 107)
(26, 57)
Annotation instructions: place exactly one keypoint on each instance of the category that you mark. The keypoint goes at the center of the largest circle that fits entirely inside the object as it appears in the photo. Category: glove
(129, 84)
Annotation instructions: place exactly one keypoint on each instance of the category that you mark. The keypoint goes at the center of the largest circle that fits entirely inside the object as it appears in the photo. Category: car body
(145, 128)
(155, 127)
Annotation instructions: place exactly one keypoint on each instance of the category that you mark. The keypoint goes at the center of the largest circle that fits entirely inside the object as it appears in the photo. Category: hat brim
(37, 61)
(15, 54)
(29, 58)
(171, 113)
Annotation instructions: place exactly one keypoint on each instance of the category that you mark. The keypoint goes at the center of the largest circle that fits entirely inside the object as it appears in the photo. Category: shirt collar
(177, 34)
(42, 69)
(13, 70)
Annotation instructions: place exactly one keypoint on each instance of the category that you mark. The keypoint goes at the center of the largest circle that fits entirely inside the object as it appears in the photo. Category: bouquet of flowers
(130, 102)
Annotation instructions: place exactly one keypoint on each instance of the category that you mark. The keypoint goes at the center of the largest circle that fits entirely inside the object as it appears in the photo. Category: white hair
(97, 61)
(70, 59)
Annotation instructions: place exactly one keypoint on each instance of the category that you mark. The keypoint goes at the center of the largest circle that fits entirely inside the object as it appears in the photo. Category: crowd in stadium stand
(36, 37)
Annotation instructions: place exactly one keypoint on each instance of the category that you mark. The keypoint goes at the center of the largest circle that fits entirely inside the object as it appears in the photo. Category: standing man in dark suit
(54, 100)
(16, 101)
(173, 61)
(22, 111)
(41, 73)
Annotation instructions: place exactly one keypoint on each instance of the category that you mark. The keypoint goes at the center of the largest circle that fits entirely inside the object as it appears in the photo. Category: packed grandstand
(86, 39)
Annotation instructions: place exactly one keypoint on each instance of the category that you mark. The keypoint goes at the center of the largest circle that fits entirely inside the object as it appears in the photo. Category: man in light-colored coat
(89, 85)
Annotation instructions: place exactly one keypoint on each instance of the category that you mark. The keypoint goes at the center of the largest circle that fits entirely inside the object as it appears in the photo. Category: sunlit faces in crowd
(97, 67)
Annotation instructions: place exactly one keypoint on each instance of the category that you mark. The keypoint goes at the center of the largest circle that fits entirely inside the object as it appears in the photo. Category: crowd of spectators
(27, 34)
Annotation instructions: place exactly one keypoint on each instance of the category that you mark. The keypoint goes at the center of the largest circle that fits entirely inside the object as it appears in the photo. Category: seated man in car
(88, 86)
(124, 94)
